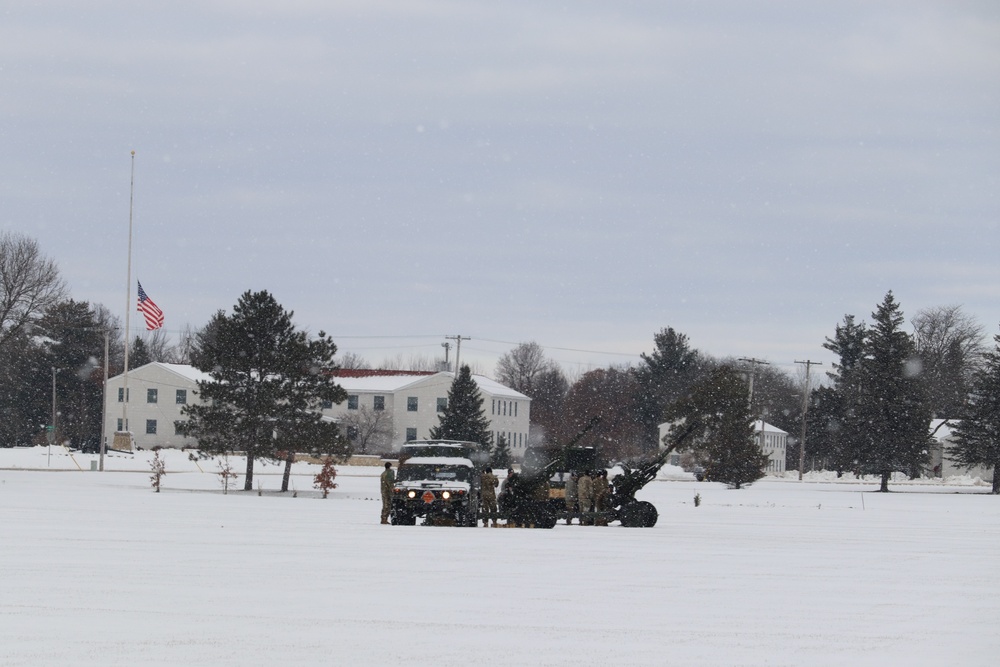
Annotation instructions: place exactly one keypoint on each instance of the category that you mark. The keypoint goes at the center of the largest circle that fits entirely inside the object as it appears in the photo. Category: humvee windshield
(440, 473)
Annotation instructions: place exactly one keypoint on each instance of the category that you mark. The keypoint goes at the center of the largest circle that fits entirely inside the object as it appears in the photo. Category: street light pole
(51, 435)
(104, 402)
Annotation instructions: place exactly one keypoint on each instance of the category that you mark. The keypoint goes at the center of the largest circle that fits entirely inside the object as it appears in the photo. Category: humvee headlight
(411, 494)
(446, 494)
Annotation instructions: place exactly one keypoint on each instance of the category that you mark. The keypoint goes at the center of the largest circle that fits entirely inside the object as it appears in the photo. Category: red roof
(372, 372)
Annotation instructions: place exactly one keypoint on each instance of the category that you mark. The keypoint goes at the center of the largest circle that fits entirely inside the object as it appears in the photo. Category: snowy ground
(96, 569)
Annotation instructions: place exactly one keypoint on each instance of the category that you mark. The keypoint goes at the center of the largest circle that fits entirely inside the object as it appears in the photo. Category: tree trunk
(289, 460)
(248, 483)
(884, 488)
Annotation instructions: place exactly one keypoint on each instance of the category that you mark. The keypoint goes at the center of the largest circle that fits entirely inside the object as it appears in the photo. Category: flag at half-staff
(149, 310)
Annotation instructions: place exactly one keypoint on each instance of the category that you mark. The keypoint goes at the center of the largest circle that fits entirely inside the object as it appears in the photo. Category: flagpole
(128, 302)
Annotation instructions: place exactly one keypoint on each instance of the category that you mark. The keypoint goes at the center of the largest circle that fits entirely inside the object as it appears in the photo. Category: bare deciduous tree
(159, 348)
(29, 283)
(352, 361)
(186, 344)
(950, 346)
(520, 368)
(110, 322)
(611, 394)
(369, 430)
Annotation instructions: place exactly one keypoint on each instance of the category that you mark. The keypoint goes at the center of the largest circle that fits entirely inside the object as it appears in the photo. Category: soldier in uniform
(388, 480)
(571, 496)
(601, 491)
(489, 496)
(585, 494)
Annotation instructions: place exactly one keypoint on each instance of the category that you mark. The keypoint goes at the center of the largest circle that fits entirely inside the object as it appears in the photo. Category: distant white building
(157, 392)
(415, 400)
(773, 442)
(941, 464)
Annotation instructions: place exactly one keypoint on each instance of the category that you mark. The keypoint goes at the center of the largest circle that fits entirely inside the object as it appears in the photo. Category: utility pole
(753, 371)
(458, 349)
(447, 348)
(805, 407)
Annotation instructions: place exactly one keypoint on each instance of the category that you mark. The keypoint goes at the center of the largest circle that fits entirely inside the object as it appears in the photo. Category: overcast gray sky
(580, 174)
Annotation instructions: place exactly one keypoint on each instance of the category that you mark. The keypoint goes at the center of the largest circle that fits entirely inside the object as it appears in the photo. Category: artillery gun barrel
(631, 482)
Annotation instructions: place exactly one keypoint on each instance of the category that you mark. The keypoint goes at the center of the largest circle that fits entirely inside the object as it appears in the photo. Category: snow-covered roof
(388, 381)
(186, 370)
(437, 461)
(768, 428)
(495, 388)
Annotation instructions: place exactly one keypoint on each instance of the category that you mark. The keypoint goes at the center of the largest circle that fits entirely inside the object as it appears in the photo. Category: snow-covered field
(96, 569)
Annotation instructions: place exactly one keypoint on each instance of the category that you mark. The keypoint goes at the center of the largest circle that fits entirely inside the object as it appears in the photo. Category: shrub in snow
(324, 478)
(697, 499)
(159, 469)
(226, 473)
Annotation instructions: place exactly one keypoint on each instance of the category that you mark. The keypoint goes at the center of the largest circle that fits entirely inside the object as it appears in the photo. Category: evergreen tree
(978, 441)
(723, 437)
(668, 372)
(74, 345)
(25, 392)
(464, 417)
(268, 383)
(835, 421)
(138, 353)
(501, 457)
(890, 406)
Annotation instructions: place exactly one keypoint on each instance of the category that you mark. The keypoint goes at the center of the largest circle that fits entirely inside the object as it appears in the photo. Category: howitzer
(525, 500)
(638, 513)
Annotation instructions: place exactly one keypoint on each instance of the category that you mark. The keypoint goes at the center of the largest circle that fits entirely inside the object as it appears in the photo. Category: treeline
(871, 413)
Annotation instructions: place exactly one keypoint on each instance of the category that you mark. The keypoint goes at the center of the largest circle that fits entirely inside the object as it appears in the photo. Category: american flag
(149, 310)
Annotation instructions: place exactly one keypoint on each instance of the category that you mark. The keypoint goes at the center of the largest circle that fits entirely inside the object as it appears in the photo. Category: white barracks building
(414, 400)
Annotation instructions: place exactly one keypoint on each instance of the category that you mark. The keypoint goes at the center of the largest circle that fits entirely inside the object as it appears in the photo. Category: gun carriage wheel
(640, 514)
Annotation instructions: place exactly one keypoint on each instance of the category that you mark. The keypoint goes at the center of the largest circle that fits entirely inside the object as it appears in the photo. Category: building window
(151, 427)
(378, 403)
(352, 432)
(121, 394)
(177, 428)
(326, 405)
(152, 395)
(411, 403)
(442, 404)
(352, 402)
(119, 429)
(411, 434)
(182, 397)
